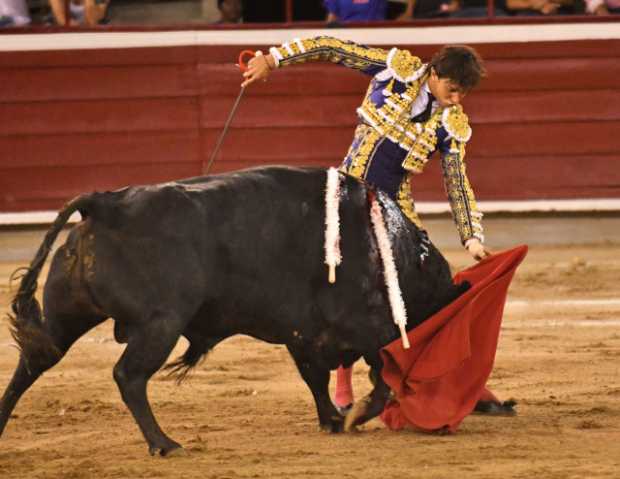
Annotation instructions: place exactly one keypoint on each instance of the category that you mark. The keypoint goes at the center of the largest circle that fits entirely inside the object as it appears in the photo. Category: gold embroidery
(425, 143)
(405, 202)
(404, 65)
(392, 118)
(456, 123)
(460, 193)
(373, 54)
(333, 50)
(365, 141)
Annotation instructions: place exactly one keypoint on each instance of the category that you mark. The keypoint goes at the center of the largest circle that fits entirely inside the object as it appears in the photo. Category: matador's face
(445, 91)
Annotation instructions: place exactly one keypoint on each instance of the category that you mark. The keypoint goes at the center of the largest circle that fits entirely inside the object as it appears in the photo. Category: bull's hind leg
(370, 406)
(148, 347)
(43, 346)
(317, 379)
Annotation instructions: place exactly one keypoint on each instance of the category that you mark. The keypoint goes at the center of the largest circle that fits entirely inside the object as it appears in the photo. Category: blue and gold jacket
(389, 146)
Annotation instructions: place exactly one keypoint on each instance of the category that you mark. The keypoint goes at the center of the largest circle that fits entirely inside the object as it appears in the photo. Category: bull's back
(227, 236)
(251, 242)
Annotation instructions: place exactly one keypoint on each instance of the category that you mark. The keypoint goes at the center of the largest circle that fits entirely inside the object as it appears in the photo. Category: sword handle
(243, 66)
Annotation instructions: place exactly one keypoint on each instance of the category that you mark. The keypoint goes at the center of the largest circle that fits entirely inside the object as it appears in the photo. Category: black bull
(208, 258)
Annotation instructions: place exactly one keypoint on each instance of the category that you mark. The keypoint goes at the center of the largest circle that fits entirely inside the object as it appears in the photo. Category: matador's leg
(344, 388)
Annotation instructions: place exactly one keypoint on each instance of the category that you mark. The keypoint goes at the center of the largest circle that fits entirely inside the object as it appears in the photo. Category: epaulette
(404, 66)
(456, 123)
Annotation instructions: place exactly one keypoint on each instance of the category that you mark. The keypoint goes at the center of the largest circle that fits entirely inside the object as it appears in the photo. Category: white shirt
(419, 104)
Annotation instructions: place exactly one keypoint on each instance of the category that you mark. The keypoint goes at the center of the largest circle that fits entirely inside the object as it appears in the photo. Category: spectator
(231, 11)
(308, 11)
(14, 13)
(602, 7)
(82, 12)
(428, 9)
(478, 8)
(266, 11)
(539, 7)
(355, 10)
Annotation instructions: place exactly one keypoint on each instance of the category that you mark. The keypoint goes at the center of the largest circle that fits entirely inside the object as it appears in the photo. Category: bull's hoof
(175, 450)
(335, 425)
(351, 429)
(493, 408)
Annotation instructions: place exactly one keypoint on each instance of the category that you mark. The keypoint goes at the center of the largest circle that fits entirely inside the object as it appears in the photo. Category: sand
(246, 413)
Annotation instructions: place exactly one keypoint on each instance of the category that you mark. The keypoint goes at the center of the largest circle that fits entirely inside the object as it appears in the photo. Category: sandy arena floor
(247, 414)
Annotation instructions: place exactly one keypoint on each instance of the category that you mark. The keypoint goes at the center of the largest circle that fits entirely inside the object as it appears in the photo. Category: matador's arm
(327, 49)
(395, 63)
(461, 196)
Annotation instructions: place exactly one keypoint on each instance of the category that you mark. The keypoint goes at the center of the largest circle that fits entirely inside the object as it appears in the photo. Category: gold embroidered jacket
(388, 146)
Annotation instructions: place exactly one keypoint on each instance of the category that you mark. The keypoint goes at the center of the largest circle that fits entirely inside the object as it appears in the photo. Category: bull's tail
(197, 351)
(26, 322)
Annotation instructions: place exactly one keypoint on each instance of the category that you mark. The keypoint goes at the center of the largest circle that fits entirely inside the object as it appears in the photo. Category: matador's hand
(259, 68)
(476, 249)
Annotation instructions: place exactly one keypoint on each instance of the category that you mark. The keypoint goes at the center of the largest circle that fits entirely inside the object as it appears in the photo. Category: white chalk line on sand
(520, 303)
(511, 324)
(554, 323)
(530, 323)
(562, 303)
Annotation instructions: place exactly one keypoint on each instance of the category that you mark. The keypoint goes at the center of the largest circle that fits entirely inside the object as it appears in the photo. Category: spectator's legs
(94, 12)
(472, 12)
(15, 11)
(58, 10)
(91, 10)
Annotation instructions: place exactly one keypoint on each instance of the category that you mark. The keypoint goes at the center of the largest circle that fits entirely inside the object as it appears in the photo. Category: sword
(243, 66)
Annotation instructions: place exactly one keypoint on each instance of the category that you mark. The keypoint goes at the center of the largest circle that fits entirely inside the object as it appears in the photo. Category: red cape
(438, 381)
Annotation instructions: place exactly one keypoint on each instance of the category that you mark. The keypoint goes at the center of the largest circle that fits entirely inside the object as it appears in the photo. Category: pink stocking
(344, 387)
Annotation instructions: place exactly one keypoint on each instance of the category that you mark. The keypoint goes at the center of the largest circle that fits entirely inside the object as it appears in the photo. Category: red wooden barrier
(546, 121)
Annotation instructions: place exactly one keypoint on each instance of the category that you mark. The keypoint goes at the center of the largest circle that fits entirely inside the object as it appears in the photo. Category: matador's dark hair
(459, 63)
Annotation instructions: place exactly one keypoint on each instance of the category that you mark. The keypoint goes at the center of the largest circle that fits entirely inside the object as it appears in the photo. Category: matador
(411, 109)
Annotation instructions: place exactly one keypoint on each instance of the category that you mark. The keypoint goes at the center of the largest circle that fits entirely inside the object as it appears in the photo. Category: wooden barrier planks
(545, 121)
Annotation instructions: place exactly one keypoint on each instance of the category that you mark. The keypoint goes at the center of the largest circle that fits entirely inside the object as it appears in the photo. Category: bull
(210, 257)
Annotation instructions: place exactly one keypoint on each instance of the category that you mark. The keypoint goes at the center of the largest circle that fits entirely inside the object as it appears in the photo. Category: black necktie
(426, 114)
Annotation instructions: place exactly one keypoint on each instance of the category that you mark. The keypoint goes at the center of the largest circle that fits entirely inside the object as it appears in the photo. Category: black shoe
(492, 408)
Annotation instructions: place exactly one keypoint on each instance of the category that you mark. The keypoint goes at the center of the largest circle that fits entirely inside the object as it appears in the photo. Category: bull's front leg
(317, 379)
(370, 406)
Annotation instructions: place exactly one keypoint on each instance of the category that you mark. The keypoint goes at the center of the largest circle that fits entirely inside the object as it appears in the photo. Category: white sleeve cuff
(276, 56)
(471, 240)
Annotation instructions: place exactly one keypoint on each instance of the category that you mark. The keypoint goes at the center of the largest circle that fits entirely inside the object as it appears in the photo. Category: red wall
(546, 122)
